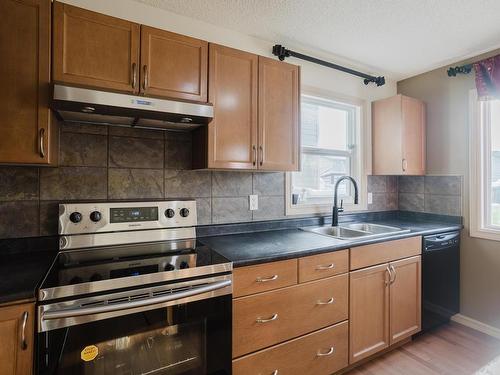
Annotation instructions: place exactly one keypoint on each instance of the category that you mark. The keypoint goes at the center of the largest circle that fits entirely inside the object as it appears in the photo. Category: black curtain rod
(282, 52)
(462, 69)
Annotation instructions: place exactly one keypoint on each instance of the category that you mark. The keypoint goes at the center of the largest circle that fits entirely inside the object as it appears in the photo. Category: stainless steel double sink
(356, 231)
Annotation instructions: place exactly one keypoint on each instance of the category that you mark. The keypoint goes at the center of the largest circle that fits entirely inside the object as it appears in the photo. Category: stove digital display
(133, 214)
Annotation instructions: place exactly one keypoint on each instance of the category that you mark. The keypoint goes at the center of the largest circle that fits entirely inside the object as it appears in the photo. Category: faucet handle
(341, 208)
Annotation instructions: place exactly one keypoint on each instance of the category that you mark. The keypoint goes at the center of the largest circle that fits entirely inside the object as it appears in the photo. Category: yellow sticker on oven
(89, 353)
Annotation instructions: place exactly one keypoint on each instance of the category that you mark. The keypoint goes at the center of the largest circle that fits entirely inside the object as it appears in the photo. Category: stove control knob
(184, 265)
(76, 280)
(75, 217)
(96, 277)
(184, 212)
(95, 216)
(169, 213)
(169, 267)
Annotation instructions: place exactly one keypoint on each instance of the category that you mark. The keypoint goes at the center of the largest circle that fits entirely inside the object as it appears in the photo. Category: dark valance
(488, 78)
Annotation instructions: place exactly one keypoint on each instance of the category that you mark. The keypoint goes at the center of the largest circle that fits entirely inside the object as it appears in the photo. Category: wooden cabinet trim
(191, 86)
(383, 252)
(232, 134)
(300, 355)
(299, 309)
(319, 266)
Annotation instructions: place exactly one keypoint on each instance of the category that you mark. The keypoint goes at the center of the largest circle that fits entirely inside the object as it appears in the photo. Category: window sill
(316, 210)
(485, 234)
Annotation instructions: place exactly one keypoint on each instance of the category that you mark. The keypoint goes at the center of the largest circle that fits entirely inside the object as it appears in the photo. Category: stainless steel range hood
(80, 105)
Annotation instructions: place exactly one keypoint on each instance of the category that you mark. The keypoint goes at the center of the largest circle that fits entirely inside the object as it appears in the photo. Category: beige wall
(447, 101)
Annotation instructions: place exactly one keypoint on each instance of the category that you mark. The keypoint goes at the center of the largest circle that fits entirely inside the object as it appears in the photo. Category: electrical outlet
(370, 198)
(253, 202)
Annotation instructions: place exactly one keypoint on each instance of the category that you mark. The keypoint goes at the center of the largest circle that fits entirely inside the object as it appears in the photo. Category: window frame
(363, 141)
(480, 170)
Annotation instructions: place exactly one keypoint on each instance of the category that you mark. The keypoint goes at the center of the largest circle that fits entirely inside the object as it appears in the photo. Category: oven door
(183, 328)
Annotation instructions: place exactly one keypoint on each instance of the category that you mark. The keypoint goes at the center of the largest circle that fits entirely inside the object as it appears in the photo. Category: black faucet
(336, 210)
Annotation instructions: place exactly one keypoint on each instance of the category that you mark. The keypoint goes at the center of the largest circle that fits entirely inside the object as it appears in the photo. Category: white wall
(312, 75)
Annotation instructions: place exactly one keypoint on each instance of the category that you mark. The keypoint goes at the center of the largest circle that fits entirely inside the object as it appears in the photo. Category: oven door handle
(74, 312)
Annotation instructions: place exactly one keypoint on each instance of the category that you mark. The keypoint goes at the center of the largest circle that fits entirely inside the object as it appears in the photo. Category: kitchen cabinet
(27, 135)
(16, 339)
(279, 90)
(385, 299)
(398, 136)
(173, 65)
(256, 114)
(96, 50)
(232, 134)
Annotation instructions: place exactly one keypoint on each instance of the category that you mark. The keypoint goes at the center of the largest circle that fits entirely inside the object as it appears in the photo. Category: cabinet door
(173, 65)
(405, 291)
(25, 49)
(413, 136)
(369, 312)
(279, 90)
(232, 134)
(92, 49)
(16, 339)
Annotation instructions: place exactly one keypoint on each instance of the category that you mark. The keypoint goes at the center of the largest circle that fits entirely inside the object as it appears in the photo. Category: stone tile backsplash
(432, 194)
(114, 163)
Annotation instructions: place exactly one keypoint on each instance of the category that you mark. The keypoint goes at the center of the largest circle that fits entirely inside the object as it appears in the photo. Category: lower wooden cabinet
(320, 353)
(16, 339)
(270, 318)
(385, 306)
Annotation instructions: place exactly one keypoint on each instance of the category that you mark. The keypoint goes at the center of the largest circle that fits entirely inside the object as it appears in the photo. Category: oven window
(181, 339)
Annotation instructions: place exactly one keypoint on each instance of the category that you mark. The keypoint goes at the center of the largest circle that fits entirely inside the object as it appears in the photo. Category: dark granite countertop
(265, 246)
(23, 264)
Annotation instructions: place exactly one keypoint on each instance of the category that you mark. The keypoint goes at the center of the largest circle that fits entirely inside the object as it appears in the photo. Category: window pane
(316, 182)
(495, 161)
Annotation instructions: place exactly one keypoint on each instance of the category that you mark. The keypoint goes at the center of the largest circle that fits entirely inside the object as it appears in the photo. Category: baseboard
(477, 325)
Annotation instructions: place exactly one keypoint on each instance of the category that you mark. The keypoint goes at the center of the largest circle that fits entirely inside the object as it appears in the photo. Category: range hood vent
(73, 104)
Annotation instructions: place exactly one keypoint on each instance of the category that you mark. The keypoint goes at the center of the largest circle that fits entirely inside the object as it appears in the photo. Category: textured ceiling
(399, 37)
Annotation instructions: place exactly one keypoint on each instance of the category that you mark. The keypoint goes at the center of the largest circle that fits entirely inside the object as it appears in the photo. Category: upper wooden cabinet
(398, 136)
(173, 65)
(279, 91)
(16, 338)
(232, 134)
(26, 134)
(92, 49)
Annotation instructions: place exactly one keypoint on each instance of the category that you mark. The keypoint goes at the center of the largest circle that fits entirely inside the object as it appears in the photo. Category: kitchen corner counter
(267, 246)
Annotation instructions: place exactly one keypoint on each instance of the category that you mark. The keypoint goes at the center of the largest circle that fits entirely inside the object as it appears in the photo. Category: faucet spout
(336, 209)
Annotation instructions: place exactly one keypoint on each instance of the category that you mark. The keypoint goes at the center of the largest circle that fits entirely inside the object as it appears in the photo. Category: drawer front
(323, 265)
(370, 255)
(264, 277)
(321, 352)
(273, 317)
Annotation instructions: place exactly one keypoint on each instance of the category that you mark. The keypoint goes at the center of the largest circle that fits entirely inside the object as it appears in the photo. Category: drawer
(264, 277)
(270, 318)
(383, 252)
(305, 355)
(323, 265)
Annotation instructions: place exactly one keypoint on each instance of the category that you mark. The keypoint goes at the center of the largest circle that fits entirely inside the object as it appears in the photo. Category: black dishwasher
(440, 278)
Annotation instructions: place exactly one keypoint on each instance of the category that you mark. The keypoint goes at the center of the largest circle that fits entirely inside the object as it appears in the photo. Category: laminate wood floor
(451, 349)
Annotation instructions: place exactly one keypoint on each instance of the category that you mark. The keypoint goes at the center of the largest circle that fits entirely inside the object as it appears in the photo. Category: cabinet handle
(404, 164)
(41, 136)
(266, 279)
(393, 271)
(261, 154)
(327, 267)
(145, 81)
(254, 148)
(329, 302)
(24, 345)
(329, 352)
(388, 270)
(260, 320)
(134, 75)
(275, 372)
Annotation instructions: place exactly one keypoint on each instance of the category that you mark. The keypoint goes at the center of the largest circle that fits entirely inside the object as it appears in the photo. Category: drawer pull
(327, 267)
(274, 317)
(275, 372)
(329, 352)
(329, 302)
(266, 279)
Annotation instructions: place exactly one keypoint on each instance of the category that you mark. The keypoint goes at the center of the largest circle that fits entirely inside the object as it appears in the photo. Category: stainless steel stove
(131, 278)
